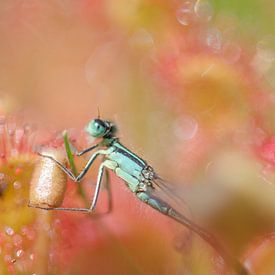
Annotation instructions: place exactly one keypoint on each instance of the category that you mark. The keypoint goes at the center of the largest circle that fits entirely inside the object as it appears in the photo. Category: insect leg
(61, 166)
(70, 147)
(109, 191)
(75, 209)
(106, 164)
(97, 188)
(90, 162)
(86, 168)
(86, 150)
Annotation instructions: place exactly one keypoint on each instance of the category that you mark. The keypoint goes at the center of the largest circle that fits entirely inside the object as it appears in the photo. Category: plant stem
(80, 190)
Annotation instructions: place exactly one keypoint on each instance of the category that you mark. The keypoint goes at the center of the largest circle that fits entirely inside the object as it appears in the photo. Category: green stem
(80, 190)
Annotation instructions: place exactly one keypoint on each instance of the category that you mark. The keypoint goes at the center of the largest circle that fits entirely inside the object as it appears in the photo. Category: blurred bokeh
(190, 85)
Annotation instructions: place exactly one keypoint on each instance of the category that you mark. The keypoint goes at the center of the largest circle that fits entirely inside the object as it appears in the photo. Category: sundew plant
(190, 88)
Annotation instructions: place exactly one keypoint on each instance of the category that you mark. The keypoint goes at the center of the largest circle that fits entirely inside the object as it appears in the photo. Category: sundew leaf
(17, 174)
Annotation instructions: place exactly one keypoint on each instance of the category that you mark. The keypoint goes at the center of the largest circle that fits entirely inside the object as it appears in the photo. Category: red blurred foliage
(267, 150)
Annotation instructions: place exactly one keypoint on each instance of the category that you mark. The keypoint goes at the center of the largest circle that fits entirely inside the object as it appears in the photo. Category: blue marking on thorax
(126, 160)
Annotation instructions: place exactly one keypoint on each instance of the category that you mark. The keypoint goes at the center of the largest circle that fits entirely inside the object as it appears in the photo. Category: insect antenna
(98, 113)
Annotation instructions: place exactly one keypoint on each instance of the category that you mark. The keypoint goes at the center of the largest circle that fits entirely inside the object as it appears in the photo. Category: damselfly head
(100, 128)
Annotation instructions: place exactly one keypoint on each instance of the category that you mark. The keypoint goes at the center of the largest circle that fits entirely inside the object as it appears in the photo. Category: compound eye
(99, 129)
(97, 126)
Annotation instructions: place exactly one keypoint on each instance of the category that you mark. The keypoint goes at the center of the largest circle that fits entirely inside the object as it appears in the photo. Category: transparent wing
(181, 212)
(173, 195)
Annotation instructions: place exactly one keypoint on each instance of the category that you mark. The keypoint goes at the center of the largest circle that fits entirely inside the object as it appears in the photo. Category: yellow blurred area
(215, 93)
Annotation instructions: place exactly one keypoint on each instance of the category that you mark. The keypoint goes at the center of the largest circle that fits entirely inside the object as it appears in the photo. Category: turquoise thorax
(126, 160)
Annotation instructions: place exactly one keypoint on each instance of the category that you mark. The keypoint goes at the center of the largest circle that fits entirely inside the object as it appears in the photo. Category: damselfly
(141, 179)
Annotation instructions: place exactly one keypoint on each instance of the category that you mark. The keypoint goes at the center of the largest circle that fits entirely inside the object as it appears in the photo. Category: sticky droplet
(31, 256)
(19, 253)
(185, 13)
(203, 10)
(17, 185)
(9, 231)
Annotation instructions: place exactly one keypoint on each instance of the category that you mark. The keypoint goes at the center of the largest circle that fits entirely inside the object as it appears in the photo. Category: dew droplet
(214, 39)
(185, 14)
(266, 48)
(269, 75)
(9, 231)
(203, 10)
(265, 55)
(231, 51)
(142, 39)
(185, 128)
(19, 253)
(17, 185)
